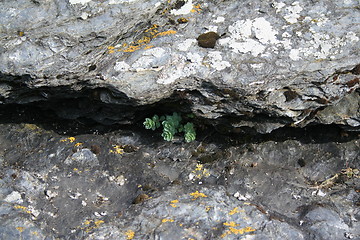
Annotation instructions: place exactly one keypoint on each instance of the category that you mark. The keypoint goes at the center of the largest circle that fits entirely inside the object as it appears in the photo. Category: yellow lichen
(98, 223)
(197, 194)
(231, 224)
(70, 139)
(235, 210)
(130, 234)
(77, 170)
(237, 231)
(148, 47)
(78, 144)
(131, 48)
(91, 225)
(25, 209)
(20, 229)
(196, 8)
(208, 208)
(117, 149)
(242, 230)
(161, 34)
(200, 171)
(199, 167)
(143, 42)
(167, 220)
(172, 203)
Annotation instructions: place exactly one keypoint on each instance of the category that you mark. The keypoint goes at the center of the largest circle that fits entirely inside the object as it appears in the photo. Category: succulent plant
(171, 125)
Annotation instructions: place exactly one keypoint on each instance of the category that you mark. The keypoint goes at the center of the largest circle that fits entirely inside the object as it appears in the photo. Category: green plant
(171, 125)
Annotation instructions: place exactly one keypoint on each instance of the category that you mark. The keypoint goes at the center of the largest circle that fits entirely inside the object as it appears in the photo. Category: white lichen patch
(185, 45)
(216, 61)
(79, 1)
(152, 59)
(250, 36)
(121, 66)
(185, 9)
(323, 45)
(249, 46)
(14, 197)
(121, 1)
(179, 67)
(257, 65)
(120, 180)
(351, 37)
(292, 13)
(263, 31)
(194, 57)
(278, 6)
(219, 20)
(212, 28)
(241, 29)
(294, 54)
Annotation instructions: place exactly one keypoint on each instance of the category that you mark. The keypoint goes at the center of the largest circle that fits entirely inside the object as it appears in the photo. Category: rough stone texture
(139, 187)
(289, 62)
(277, 65)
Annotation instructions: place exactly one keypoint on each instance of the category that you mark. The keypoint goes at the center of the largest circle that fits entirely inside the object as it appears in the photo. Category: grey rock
(276, 68)
(161, 190)
(285, 60)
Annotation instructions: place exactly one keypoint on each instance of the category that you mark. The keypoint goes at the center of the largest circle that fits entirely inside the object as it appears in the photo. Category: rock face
(121, 186)
(291, 62)
(279, 81)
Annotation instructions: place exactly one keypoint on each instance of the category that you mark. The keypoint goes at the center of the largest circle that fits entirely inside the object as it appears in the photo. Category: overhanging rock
(281, 63)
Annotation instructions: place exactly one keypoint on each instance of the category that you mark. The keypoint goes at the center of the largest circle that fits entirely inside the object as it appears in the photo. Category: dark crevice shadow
(74, 120)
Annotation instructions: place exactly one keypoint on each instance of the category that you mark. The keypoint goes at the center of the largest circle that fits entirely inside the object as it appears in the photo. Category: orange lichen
(20, 229)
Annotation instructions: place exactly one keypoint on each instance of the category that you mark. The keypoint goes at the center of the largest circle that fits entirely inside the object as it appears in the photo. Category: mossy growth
(171, 126)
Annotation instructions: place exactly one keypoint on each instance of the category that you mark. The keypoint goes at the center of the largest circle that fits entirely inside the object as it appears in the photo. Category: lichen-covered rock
(214, 189)
(278, 62)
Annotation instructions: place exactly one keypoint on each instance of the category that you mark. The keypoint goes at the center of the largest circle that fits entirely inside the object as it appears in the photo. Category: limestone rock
(281, 63)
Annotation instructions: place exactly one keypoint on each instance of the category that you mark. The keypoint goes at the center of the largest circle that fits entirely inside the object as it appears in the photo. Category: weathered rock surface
(288, 70)
(53, 186)
(281, 63)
